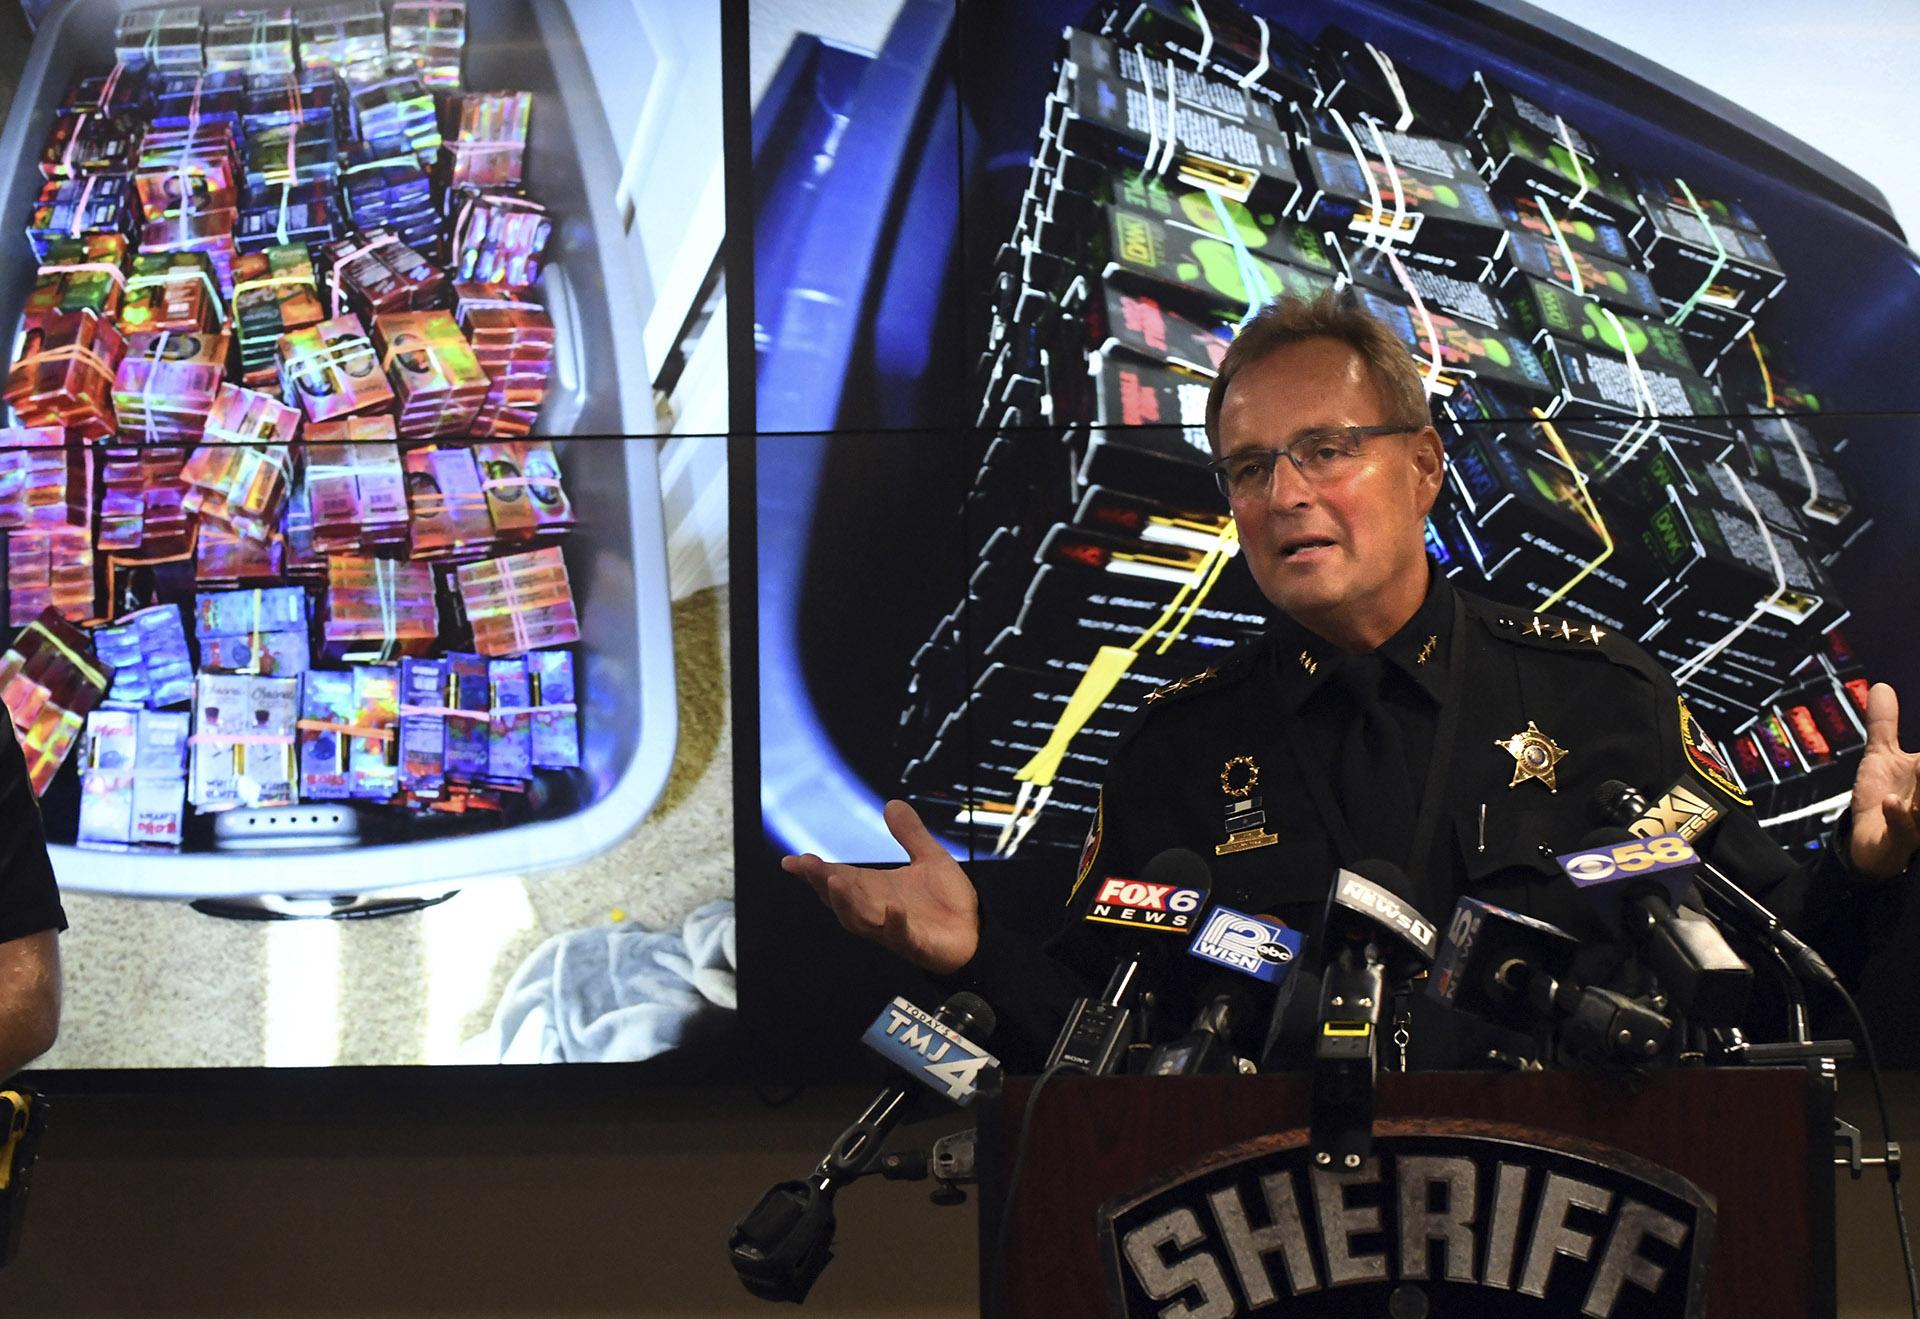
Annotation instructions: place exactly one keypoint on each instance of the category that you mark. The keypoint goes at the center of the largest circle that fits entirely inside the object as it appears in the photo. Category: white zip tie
(1206, 33)
(1166, 157)
(1828, 809)
(1643, 396)
(1366, 174)
(1432, 382)
(1644, 404)
(1005, 843)
(1719, 257)
(1023, 825)
(1259, 71)
(1392, 76)
(1393, 176)
(1153, 118)
(1579, 170)
(1566, 251)
(1712, 652)
(1806, 464)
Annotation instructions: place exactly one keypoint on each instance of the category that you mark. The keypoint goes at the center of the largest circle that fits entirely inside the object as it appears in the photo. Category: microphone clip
(1347, 1061)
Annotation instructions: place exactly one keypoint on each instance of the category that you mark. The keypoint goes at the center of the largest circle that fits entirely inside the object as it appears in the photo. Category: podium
(1699, 1193)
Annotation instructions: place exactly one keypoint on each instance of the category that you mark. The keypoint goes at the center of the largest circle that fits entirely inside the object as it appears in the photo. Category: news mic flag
(930, 1050)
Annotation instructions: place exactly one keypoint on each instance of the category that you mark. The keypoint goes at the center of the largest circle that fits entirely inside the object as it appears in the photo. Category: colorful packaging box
(556, 724)
(243, 741)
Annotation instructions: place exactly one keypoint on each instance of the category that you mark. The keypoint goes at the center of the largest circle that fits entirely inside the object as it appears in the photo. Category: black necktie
(1376, 789)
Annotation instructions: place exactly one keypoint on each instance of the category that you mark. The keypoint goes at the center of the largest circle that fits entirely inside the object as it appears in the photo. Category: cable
(1013, 1183)
(1886, 1139)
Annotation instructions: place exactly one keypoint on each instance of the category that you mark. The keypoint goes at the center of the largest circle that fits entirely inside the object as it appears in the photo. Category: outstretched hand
(926, 911)
(1886, 793)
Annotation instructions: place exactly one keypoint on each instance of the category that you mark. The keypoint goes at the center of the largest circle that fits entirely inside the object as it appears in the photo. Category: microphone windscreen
(1616, 802)
(1180, 866)
(969, 1015)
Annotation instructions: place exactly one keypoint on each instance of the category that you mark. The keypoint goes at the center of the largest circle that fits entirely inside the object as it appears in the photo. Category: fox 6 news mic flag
(1173, 887)
(1141, 904)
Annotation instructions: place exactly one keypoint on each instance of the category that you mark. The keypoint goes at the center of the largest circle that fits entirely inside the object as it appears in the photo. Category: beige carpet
(156, 984)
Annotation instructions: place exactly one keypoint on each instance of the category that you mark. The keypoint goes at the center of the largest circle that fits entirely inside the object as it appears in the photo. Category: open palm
(926, 911)
(1886, 793)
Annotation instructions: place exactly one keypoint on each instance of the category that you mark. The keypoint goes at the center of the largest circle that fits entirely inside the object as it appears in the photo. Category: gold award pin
(1534, 756)
(1245, 819)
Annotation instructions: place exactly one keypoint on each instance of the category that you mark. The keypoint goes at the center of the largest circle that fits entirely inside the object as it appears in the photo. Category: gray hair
(1289, 320)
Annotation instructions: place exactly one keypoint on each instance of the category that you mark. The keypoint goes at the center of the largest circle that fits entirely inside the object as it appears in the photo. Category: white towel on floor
(613, 993)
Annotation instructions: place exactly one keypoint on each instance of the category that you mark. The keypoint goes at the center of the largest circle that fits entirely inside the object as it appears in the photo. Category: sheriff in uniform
(1385, 715)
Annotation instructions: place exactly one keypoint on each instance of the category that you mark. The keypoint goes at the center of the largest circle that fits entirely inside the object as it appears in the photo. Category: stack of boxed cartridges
(1623, 440)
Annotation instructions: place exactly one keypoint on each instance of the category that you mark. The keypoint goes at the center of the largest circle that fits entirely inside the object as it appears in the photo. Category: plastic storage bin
(617, 560)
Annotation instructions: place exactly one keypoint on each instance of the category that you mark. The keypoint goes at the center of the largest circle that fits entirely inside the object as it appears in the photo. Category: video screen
(363, 486)
(1664, 354)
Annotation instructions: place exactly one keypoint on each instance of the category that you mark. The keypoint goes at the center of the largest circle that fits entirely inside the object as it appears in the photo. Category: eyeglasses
(1319, 456)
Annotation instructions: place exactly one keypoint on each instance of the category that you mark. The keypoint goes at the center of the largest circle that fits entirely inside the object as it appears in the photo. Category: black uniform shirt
(1251, 737)
(1377, 815)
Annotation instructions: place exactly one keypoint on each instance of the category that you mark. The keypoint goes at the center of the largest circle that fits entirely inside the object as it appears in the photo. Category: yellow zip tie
(1111, 663)
(1766, 376)
(1219, 554)
(1593, 511)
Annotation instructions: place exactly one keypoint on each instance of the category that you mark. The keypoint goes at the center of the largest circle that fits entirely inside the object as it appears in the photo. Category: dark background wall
(218, 1208)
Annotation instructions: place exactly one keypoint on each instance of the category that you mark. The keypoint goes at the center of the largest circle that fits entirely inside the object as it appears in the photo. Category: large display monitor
(997, 259)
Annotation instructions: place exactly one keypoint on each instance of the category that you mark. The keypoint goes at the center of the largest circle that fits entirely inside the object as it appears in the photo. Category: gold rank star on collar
(1534, 756)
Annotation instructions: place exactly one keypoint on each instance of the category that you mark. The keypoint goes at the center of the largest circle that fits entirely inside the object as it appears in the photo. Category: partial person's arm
(1848, 901)
(29, 999)
(1885, 809)
(928, 912)
(31, 917)
(925, 911)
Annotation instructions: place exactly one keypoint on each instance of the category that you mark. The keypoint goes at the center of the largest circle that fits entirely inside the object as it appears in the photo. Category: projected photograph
(1680, 339)
(1667, 346)
(363, 485)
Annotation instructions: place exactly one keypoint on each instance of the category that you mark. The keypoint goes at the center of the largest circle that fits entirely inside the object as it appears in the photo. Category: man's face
(1346, 553)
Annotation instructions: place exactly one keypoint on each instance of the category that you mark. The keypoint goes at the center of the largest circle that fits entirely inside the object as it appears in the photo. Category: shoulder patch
(1090, 850)
(1704, 757)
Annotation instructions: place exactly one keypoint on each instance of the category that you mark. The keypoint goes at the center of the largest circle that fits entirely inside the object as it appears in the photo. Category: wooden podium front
(1705, 1192)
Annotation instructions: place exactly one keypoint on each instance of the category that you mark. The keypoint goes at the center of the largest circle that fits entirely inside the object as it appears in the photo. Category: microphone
(1688, 809)
(1500, 966)
(1166, 899)
(1635, 885)
(1510, 969)
(1229, 1026)
(1207, 1049)
(1374, 937)
(784, 1242)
